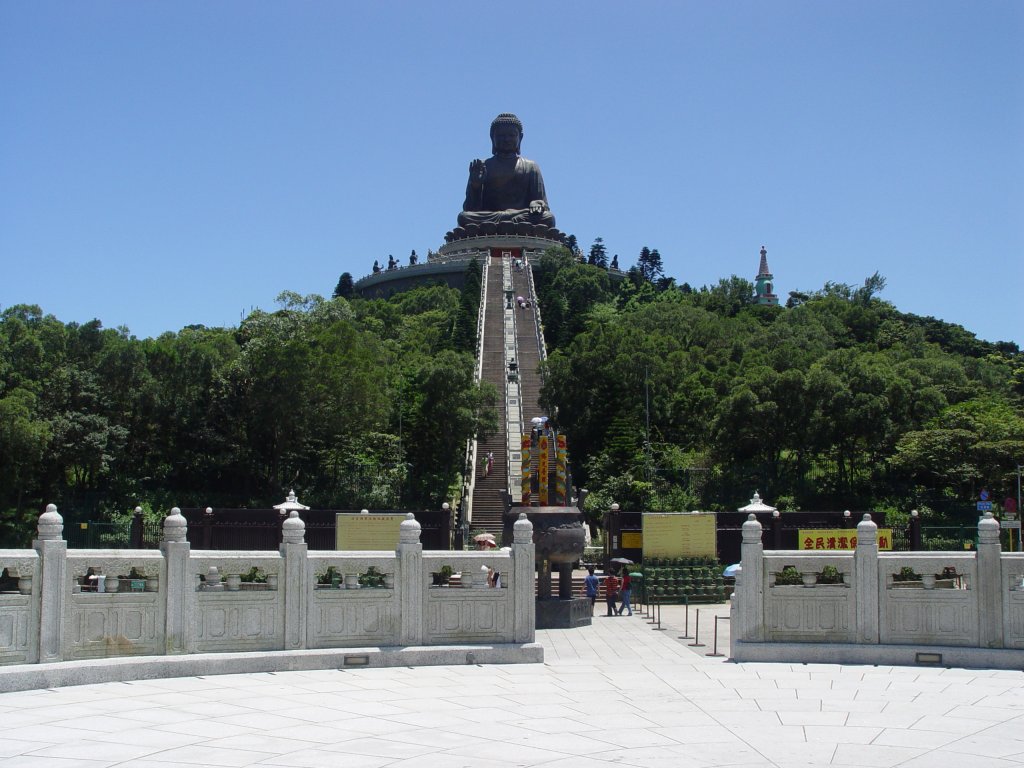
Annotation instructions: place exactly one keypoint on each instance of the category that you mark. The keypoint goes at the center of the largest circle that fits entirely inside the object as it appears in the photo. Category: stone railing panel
(810, 611)
(915, 612)
(347, 614)
(19, 612)
(1012, 592)
(116, 621)
(471, 612)
(228, 617)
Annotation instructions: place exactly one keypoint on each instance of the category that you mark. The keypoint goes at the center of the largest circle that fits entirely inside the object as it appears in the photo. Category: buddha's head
(506, 134)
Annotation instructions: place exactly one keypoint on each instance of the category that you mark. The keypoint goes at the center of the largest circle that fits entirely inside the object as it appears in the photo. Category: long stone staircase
(488, 504)
(501, 345)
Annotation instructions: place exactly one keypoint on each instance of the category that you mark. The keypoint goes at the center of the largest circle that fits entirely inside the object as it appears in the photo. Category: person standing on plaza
(625, 592)
(611, 592)
(591, 584)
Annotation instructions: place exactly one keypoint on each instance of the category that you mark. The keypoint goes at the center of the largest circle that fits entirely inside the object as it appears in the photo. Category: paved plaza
(617, 693)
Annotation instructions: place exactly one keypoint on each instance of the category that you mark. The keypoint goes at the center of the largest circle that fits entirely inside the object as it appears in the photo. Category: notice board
(353, 531)
(679, 534)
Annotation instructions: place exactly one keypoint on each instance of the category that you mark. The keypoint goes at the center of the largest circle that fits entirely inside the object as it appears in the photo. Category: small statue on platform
(506, 187)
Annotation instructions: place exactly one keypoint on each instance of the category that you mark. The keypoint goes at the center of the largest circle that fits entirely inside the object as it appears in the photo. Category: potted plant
(788, 576)
(830, 575)
(442, 576)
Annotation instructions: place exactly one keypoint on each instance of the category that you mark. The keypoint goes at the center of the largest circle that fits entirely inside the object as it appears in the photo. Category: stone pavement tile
(872, 756)
(311, 758)
(583, 744)
(40, 761)
(814, 717)
(894, 719)
(314, 734)
(202, 755)
(758, 736)
(98, 750)
(790, 754)
(450, 760)
(940, 759)
(9, 747)
(980, 711)
(207, 729)
(276, 743)
(721, 753)
(988, 743)
(384, 746)
(555, 725)
(693, 734)
(678, 719)
(909, 737)
(837, 704)
(633, 738)
(841, 734)
(752, 719)
(512, 753)
(790, 705)
(949, 724)
(52, 733)
(442, 740)
(488, 715)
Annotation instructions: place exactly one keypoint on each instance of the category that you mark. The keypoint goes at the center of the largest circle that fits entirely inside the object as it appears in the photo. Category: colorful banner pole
(560, 459)
(543, 471)
(525, 447)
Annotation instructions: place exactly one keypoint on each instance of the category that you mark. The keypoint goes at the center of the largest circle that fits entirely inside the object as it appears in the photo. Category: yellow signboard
(632, 540)
(361, 532)
(831, 538)
(679, 534)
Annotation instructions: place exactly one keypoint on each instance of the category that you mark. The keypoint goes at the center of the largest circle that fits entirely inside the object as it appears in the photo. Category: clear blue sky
(170, 163)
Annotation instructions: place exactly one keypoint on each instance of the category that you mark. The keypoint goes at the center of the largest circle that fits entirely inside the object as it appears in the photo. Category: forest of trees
(672, 399)
(356, 403)
(679, 399)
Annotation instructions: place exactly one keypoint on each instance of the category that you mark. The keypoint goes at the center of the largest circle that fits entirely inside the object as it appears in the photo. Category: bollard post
(686, 628)
(659, 628)
(696, 633)
(715, 650)
(654, 604)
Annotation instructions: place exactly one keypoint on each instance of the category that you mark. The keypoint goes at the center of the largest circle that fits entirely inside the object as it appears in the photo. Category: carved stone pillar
(865, 578)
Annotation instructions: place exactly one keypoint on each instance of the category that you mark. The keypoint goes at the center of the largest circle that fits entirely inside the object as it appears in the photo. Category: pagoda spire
(763, 282)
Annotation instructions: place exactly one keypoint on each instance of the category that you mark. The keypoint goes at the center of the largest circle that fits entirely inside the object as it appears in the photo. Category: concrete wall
(966, 609)
(180, 605)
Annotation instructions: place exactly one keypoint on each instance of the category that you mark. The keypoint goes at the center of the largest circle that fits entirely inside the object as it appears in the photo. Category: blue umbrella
(731, 570)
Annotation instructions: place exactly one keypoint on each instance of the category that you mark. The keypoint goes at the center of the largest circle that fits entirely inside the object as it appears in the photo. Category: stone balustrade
(101, 604)
(866, 606)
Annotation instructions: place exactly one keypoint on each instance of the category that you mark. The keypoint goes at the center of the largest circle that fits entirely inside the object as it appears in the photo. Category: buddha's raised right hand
(477, 173)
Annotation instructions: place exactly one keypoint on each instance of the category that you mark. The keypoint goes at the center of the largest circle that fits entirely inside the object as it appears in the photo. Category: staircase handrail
(471, 443)
(538, 323)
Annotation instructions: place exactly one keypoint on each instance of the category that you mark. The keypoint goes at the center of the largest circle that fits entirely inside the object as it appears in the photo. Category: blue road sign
(984, 506)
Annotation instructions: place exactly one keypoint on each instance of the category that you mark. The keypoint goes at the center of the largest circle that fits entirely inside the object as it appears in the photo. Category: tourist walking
(591, 584)
(625, 592)
(611, 592)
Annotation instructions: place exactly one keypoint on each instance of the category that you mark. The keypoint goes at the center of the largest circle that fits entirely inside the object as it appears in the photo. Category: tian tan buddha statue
(505, 188)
